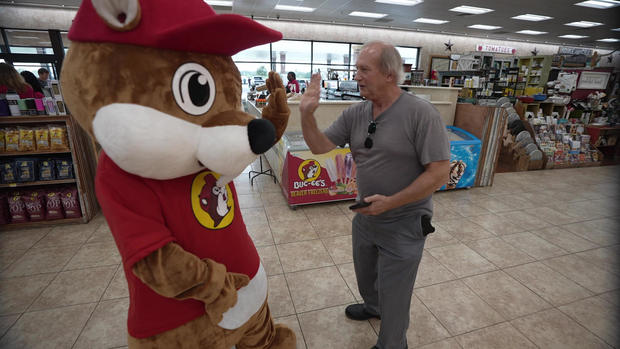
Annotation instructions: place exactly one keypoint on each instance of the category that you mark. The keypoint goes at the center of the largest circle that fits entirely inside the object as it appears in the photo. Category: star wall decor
(535, 52)
(610, 58)
(448, 46)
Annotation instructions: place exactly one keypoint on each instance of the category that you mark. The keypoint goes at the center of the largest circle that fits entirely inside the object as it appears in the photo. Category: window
(333, 72)
(330, 53)
(409, 55)
(29, 41)
(302, 71)
(304, 57)
(291, 51)
(254, 54)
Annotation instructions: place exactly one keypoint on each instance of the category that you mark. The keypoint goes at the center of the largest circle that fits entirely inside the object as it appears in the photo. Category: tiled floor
(532, 262)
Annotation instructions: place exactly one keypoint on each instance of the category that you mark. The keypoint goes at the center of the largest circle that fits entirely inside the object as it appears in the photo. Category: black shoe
(357, 312)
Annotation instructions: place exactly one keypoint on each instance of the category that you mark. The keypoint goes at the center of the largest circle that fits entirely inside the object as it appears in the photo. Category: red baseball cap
(187, 25)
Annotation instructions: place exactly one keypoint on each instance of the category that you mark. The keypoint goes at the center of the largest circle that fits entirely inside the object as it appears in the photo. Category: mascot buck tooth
(154, 82)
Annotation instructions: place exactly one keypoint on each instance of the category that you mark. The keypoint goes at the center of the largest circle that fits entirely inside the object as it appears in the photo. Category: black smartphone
(359, 204)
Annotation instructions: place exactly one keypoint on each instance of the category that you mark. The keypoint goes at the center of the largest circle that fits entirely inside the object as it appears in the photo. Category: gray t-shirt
(409, 135)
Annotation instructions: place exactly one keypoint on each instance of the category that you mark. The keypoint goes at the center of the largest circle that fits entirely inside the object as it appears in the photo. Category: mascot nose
(262, 135)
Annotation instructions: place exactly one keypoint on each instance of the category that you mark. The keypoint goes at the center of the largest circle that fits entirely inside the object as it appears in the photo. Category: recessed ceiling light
(533, 18)
(530, 32)
(602, 4)
(471, 9)
(429, 20)
(483, 27)
(609, 40)
(571, 36)
(583, 24)
(219, 3)
(294, 8)
(401, 2)
(367, 14)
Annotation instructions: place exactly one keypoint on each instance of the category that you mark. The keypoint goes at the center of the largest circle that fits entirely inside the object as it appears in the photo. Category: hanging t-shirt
(293, 86)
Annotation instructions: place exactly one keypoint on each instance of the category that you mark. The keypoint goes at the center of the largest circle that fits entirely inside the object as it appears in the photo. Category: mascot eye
(216, 190)
(193, 88)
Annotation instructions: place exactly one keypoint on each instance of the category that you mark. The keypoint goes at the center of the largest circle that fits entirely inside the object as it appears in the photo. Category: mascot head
(154, 82)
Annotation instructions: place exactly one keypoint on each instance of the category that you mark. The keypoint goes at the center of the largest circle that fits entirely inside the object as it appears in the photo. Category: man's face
(370, 79)
(289, 77)
(44, 76)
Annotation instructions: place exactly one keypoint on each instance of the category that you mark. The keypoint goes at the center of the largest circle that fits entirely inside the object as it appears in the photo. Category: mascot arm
(175, 273)
(277, 110)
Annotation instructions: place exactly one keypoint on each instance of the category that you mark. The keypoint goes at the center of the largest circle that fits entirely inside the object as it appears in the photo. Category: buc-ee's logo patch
(212, 205)
(309, 170)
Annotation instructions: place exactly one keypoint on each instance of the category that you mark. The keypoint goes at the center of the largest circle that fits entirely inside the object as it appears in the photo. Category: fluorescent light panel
(401, 2)
(583, 24)
(600, 4)
(471, 9)
(294, 8)
(367, 14)
(608, 40)
(429, 20)
(25, 37)
(533, 18)
(616, 30)
(530, 32)
(571, 36)
(219, 3)
(483, 27)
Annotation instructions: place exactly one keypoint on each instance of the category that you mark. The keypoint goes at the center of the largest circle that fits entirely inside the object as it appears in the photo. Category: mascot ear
(120, 15)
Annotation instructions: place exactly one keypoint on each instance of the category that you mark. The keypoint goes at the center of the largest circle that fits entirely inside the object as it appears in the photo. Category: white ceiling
(401, 17)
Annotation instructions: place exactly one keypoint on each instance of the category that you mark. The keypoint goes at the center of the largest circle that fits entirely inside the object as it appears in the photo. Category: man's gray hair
(390, 61)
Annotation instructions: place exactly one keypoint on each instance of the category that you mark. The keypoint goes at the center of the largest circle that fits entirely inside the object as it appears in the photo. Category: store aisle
(532, 262)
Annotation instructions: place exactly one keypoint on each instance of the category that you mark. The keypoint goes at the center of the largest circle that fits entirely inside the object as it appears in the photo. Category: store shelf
(40, 223)
(30, 184)
(36, 152)
(32, 119)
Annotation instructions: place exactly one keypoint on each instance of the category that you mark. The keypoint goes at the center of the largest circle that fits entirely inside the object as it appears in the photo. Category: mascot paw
(277, 110)
(284, 339)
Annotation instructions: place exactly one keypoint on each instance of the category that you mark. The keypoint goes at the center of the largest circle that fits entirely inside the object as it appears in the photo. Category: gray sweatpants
(386, 256)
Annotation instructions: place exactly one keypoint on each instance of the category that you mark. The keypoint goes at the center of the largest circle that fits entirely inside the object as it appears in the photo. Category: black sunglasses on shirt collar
(372, 127)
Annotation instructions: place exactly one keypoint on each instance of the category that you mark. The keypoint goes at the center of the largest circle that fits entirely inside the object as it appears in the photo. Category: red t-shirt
(146, 214)
(293, 86)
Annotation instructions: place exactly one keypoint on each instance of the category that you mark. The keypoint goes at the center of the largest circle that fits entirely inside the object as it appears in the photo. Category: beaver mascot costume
(154, 82)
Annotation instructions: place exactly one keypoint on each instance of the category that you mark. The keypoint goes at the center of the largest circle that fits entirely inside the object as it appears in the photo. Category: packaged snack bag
(2, 148)
(42, 137)
(53, 205)
(71, 203)
(34, 205)
(64, 169)
(11, 139)
(17, 209)
(26, 139)
(8, 172)
(58, 137)
(25, 169)
(46, 170)
(5, 218)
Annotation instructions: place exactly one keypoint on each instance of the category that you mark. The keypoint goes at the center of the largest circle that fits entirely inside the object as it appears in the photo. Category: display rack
(534, 71)
(84, 166)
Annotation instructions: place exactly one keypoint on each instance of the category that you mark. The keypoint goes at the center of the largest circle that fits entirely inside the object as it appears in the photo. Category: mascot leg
(261, 333)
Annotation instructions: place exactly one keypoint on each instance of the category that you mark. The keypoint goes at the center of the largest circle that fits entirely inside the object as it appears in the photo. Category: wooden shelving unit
(35, 183)
(83, 156)
(46, 152)
(534, 71)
